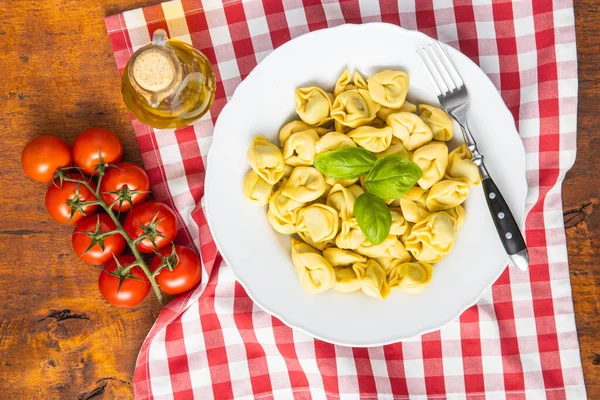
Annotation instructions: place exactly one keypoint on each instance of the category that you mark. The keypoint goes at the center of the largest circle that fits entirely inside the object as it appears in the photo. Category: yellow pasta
(313, 105)
(266, 159)
(329, 248)
(354, 108)
(256, 189)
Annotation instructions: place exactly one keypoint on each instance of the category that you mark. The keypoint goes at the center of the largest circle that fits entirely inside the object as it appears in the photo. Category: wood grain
(58, 338)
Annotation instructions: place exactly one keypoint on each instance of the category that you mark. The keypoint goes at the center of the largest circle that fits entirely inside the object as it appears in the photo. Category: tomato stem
(119, 228)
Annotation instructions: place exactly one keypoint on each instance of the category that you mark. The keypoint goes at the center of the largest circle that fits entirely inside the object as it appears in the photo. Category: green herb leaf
(392, 176)
(373, 217)
(347, 163)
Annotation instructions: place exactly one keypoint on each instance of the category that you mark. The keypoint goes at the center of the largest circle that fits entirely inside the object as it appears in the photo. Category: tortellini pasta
(266, 159)
(385, 112)
(342, 200)
(440, 123)
(297, 126)
(313, 105)
(389, 88)
(390, 247)
(305, 184)
(354, 108)
(396, 147)
(346, 280)
(373, 279)
(256, 189)
(447, 194)
(433, 160)
(432, 238)
(315, 273)
(373, 139)
(389, 263)
(341, 258)
(283, 213)
(333, 141)
(329, 248)
(317, 224)
(341, 85)
(458, 215)
(344, 182)
(414, 205)
(410, 277)
(460, 166)
(300, 149)
(410, 129)
(399, 224)
(350, 236)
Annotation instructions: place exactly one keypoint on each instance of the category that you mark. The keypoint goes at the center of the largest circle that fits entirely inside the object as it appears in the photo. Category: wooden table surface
(58, 338)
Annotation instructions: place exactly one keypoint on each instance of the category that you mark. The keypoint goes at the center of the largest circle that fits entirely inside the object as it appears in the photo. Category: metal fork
(454, 97)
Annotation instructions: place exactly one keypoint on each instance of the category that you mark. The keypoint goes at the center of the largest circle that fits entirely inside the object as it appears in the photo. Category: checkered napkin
(519, 341)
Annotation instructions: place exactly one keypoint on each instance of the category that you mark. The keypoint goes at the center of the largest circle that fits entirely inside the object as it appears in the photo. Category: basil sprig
(373, 217)
(390, 177)
(347, 163)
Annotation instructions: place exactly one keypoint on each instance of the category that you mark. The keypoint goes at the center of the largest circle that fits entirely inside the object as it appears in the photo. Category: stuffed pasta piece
(313, 105)
(389, 88)
(373, 139)
(460, 166)
(315, 273)
(440, 123)
(256, 189)
(433, 160)
(305, 184)
(414, 205)
(297, 126)
(351, 237)
(283, 213)
(333, 141)
(300, 148)
(266, 159)
(342, 200)
(431, 239)
(317, 223)
(385, 112)
(340, 257)
(447, 194)
(410, 129)
(410, 277)
(372, 279)
(390, 247)
(354, 108)
(346, 280)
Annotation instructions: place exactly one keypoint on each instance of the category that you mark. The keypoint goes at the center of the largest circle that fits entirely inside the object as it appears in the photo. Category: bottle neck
(155, 71)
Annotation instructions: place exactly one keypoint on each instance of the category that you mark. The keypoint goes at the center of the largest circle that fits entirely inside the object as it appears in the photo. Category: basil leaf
(392, 176)
(373, 217)
(347, 163)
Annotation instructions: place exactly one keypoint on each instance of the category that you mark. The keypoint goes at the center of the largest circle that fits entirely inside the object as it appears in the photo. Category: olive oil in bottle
(168, 83)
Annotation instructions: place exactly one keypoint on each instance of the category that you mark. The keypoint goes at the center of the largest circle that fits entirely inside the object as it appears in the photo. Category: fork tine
(438, 92)
(442, 68)
(456, 78)
(433, 72)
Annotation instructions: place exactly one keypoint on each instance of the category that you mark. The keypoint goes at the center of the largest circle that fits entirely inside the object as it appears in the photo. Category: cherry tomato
(155, 219)
(82, 241)
(57, 198)
(123, 292)
(186, 271)
(43, 156)
(93, 141)
(130, 180)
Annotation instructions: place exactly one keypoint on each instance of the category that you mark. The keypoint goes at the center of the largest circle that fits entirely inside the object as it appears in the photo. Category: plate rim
(208, 182)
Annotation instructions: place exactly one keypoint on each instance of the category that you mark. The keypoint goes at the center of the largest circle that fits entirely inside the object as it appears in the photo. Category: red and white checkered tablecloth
(519, 341)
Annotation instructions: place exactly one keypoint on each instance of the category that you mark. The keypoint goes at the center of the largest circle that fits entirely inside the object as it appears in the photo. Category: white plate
(260, 257)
